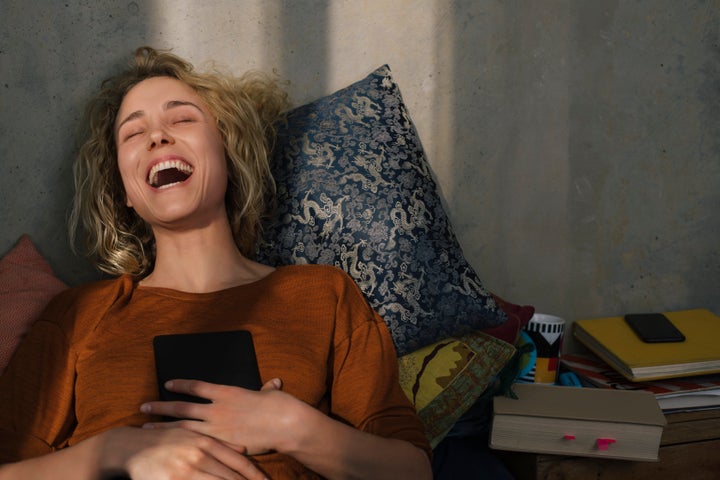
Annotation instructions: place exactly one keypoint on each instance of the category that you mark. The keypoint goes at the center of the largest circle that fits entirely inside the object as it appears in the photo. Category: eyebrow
(168, 105)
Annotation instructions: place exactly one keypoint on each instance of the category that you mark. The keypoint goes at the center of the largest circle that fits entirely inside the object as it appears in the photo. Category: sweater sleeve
(36, 392)
(366, 390)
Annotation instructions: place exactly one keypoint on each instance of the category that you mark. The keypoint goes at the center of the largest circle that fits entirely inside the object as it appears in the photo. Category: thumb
(274, 384)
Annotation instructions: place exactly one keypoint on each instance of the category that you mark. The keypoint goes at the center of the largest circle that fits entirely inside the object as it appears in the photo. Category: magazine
(678, 394)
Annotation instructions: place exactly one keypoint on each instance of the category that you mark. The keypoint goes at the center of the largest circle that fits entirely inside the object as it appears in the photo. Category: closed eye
(132, 134)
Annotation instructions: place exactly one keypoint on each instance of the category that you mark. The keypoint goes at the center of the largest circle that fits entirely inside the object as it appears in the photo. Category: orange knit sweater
(87, 365)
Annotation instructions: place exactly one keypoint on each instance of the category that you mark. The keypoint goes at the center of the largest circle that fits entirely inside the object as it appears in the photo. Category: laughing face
(171, 155)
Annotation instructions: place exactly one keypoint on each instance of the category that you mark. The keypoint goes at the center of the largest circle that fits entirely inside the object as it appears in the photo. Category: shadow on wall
(305, 55)
(53, 55)
(575, 145)
(597, 126)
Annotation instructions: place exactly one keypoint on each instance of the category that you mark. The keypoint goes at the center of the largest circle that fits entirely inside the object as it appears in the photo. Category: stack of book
(613, 340)
(682, 375)
(637, 382)
(680, 394)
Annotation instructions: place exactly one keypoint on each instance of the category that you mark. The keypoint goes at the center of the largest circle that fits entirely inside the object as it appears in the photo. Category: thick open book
(588, 422)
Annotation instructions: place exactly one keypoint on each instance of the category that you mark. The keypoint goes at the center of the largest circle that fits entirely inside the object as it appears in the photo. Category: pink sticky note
(604, 443)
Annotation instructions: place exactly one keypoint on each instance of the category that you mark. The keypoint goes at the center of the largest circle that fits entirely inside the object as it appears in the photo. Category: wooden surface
(691, 427)
(690, 448)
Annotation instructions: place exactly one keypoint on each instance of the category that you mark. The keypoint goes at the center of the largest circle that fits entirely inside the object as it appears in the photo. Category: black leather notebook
(226, 358)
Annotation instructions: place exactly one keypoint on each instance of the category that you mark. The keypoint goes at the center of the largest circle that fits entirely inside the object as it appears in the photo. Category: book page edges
(591, 404)
(543, 435)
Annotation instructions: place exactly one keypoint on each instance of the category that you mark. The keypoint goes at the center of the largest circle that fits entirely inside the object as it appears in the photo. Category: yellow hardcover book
(614, 341)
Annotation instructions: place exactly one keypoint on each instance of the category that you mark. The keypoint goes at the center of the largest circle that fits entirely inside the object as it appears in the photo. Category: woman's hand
(272, 420)
(244, 419)
(175, 453)
(140, 454)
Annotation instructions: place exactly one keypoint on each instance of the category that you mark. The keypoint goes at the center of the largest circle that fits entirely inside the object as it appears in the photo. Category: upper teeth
(177, 164)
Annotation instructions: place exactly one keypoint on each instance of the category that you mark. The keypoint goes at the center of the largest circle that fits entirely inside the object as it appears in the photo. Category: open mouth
(168, 173)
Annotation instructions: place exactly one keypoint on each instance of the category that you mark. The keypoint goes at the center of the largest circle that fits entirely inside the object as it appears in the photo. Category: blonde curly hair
(245, 109)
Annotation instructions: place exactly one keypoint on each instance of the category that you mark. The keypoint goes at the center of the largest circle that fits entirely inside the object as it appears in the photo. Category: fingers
(187, 425)
(182, 410)
(210, 391)
(191, 425)
(181, 454)
(232, 415)
(186, 410)
(238, 463)
(197, 388)
(221, 461)
(274, 384)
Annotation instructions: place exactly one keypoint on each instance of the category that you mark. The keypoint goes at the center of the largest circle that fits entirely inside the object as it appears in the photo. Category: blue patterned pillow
(355, 191)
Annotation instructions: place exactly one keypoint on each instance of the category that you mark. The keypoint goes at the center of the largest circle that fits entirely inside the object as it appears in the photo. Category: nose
(159, 137)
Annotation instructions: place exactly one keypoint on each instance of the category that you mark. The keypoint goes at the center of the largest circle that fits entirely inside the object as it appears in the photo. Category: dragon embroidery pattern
(356, 191)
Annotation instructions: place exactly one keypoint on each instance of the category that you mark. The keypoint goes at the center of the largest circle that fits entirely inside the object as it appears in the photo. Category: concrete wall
(576, 142)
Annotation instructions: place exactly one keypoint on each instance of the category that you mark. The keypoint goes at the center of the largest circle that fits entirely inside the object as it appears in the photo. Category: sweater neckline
(181, 294)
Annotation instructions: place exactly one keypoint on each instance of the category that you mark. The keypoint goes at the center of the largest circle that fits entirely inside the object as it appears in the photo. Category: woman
(171, 187)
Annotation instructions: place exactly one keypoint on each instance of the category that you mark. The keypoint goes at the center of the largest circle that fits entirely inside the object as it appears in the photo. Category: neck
(201, 260)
